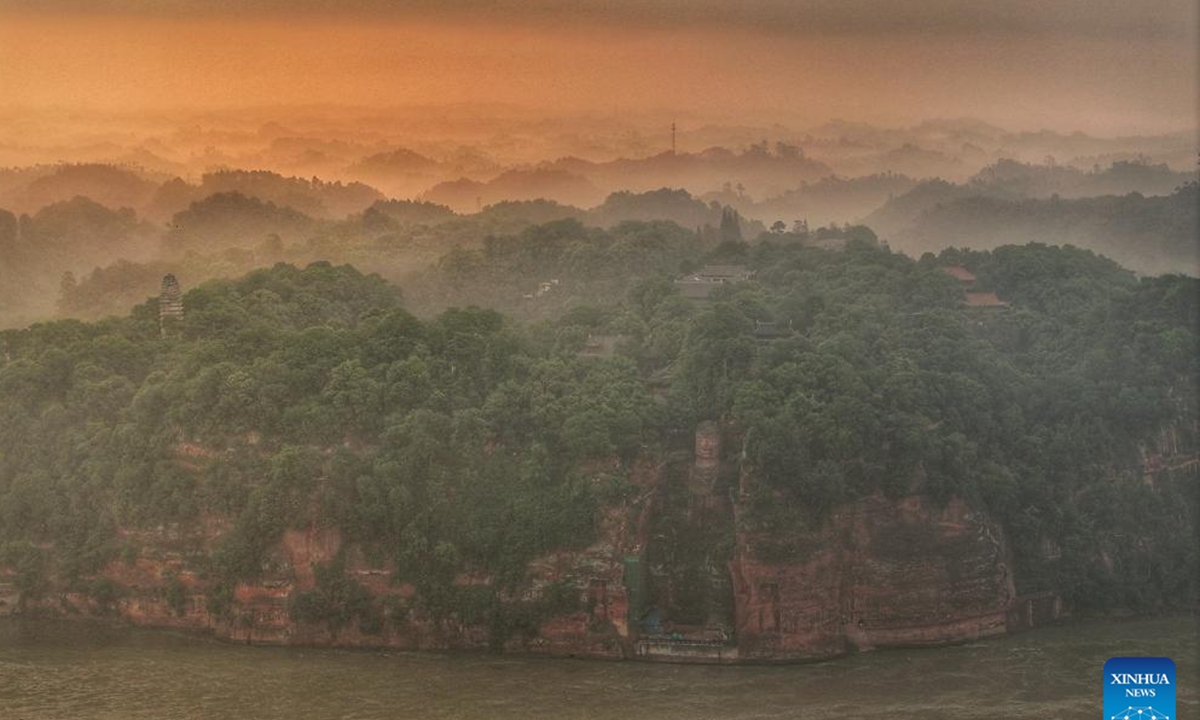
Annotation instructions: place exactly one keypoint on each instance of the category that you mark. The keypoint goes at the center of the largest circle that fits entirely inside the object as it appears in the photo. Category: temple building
(965, 277)
(700, 284)
(973, 298)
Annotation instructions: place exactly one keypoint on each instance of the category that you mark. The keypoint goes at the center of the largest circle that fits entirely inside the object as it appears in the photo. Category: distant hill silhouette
(80, 232)
(1008, 178)
(314, 197)
(1011, 180)
(678, 206)
(832, 199)
(761, 168)
(71, 236)
(231, 219)
(111, 186)
(406, 212)
(1151, 235)
(899, 212)
(466, 195)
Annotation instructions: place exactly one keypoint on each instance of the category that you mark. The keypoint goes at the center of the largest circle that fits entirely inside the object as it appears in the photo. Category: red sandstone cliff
(158, 558)
(876, 574)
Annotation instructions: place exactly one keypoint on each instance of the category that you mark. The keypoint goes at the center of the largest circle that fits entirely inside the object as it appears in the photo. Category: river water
(64, 671)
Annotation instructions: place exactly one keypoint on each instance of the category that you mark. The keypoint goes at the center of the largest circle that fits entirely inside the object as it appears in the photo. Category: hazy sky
(1096, 65)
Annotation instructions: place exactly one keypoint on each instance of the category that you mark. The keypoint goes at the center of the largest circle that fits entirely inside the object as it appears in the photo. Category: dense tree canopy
(460, 442)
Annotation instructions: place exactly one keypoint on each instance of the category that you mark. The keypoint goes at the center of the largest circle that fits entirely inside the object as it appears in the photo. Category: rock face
(158, 588)
(605, 573)
(877, 574)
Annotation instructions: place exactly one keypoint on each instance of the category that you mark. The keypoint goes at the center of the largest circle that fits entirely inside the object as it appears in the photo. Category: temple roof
(959, 273)
(984, 299)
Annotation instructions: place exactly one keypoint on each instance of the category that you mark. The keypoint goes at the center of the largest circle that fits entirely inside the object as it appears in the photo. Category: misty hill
(306, 156)
(889, 201)
(900, 211)
(105, 290)
(14, 180)
(403, 156)
(311, 197)
(148, 161)
(1012, 179)
(152, 196)
(400, 172)
(1083, 150)
(78, 233)
(229, 233)
(762, 169)
(958, 147)
(399, 161)
(914, 161)
(399, 237)
(514, 215)
(226, 220)
(546, 269)
(831, 199)
(1148, 234)
(399, 219)
(24, 295)
(405, 212)
(951, 149)
(465, 195)
(314, 197)
(396, 238)
(109, 185)
(943, 134)
(71, 236)
(675, 205)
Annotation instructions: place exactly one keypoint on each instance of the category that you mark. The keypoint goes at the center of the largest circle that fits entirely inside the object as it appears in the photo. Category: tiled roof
(959, 273)
(984, 299)
(725, 272)
(696, 289)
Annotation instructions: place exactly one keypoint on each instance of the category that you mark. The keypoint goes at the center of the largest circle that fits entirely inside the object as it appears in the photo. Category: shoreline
(210, 637)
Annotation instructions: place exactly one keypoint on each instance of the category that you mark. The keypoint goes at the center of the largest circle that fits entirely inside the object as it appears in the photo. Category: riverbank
(117, 626)
(70, 671)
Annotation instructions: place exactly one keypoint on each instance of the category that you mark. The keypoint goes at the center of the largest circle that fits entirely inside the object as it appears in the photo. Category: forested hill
(294, 397)
(1149, 234)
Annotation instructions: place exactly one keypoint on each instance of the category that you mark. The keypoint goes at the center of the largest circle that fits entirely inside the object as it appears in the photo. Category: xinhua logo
(1139, 689)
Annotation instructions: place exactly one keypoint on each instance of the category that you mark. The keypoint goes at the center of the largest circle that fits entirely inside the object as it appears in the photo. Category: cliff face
(605, 625)
(877, 574)
(158, 586)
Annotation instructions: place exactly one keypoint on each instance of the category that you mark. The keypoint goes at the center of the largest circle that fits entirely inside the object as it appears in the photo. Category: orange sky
(1099, 79)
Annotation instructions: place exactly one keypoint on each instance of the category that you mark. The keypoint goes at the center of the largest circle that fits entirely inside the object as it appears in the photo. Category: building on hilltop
(723, 273)
(170, 306)
(698, 286)
(984, 300)
(965, 277)
(973, 297)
